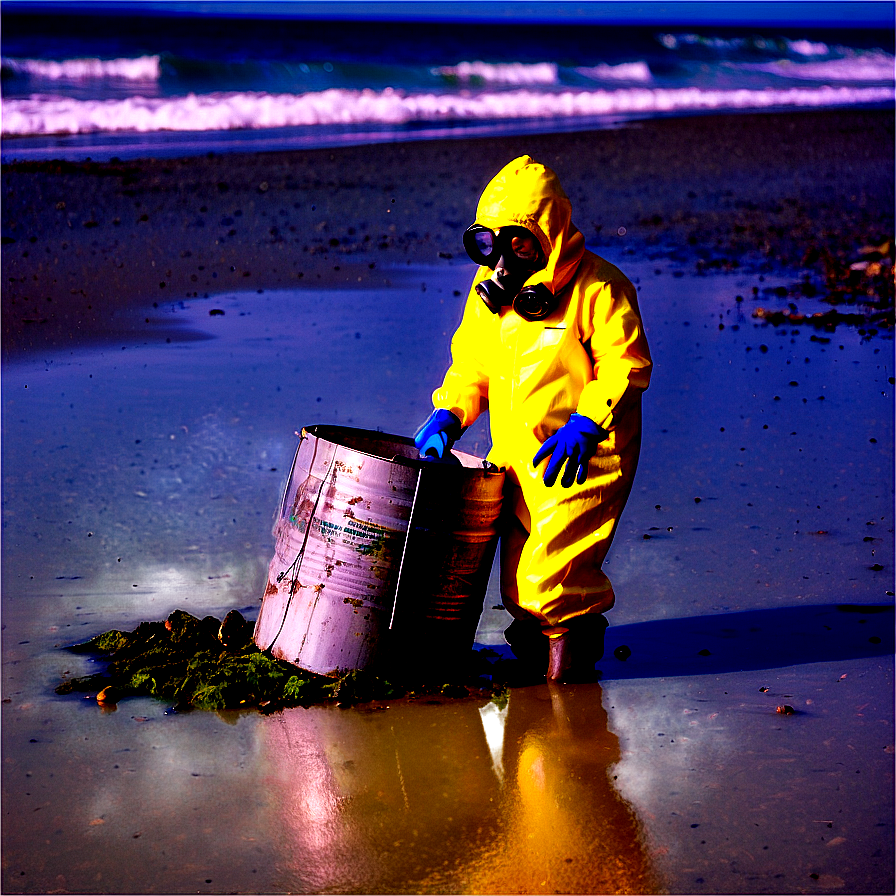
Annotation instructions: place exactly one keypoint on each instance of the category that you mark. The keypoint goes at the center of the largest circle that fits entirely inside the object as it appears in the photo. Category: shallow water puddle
(460, 798)
(140, 479)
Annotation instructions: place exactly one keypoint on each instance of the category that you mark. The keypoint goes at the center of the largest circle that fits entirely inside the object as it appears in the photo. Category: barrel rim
(324, 430)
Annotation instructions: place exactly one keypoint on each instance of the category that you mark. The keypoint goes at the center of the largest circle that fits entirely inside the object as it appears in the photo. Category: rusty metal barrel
(380, 558)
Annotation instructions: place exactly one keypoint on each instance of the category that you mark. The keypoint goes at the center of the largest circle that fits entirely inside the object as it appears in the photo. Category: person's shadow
(754, 639)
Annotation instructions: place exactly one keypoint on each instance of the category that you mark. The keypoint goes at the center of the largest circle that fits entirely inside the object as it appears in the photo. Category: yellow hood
(526, 193)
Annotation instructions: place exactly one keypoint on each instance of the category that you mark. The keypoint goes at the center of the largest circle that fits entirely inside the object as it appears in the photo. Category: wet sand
(87, 246)
(753, 565)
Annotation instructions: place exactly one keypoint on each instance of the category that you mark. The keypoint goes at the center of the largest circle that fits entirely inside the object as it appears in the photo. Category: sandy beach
(87, 246)
(743, 744)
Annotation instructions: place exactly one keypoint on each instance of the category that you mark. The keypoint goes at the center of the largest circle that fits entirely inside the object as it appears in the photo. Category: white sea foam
(141, 68)
(228, 111)
(723, 45)
(625, 71)
(809, 48)
(542, 73)
(866, 67)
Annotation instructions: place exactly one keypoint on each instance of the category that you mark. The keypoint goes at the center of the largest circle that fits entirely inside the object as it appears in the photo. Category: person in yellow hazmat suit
(552, 345)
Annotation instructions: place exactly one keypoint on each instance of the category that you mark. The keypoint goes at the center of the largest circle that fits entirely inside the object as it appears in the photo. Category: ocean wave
(809, 48)
(519, 73)
(753, 44)
(624, 71)
(140, 68)
(230, 111)
(865, 67)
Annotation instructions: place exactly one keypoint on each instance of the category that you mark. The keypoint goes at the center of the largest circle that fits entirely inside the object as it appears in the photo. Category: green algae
(213, 665)
(108, 642)
(185, 660)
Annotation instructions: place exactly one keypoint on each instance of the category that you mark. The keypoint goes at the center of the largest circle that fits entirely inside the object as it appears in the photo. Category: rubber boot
(527, 641)
(572, 655)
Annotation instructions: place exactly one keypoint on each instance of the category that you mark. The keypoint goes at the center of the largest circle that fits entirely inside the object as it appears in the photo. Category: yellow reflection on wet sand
(456, 797)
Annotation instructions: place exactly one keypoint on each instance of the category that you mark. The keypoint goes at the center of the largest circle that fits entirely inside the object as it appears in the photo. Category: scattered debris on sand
(867, 285)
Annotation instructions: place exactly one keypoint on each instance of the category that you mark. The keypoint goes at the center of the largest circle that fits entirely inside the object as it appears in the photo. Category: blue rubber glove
(574, 443)
(441, 430)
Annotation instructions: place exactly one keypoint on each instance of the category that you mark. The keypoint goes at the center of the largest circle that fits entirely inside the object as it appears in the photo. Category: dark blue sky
(747, 13)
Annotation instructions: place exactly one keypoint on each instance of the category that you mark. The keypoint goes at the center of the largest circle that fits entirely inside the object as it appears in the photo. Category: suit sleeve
(464, 390)
(618, 347)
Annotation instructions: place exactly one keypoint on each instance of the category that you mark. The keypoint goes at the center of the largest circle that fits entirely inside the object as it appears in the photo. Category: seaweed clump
(200, 663)
(213, 664)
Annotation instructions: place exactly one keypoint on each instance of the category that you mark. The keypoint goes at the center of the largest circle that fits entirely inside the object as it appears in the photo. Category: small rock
(234, 632)
(108, 696)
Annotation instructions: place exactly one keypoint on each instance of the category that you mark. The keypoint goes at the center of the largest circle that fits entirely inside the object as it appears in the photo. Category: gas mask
(514, 254)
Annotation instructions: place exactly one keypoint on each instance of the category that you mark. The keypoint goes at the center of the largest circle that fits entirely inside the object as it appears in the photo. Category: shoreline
(89, 247)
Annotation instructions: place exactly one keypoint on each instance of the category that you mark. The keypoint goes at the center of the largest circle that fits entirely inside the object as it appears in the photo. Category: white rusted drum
(344, 571)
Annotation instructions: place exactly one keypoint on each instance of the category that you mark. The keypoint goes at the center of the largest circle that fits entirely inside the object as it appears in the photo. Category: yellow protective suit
(589, 356)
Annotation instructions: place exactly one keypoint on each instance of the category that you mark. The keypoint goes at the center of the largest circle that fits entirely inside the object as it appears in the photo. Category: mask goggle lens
(486, 247)
(484, 242)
